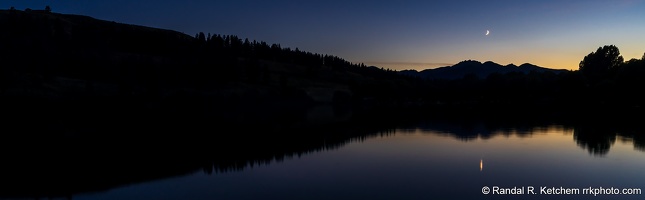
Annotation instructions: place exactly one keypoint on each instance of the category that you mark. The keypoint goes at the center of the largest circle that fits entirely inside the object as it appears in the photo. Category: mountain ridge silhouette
(478, 69)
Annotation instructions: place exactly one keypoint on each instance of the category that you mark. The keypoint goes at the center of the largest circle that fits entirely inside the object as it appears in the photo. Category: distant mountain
(481, 70)
(60, 63)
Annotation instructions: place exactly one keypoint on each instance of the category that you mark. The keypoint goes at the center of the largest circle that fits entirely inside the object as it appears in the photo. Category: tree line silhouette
(603, 80)
(68, 76)
(51, 55)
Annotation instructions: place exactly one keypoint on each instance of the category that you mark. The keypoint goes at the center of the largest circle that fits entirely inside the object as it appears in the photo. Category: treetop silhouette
(599, 64)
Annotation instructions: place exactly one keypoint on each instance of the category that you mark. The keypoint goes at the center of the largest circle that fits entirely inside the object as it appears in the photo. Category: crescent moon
(487, 32)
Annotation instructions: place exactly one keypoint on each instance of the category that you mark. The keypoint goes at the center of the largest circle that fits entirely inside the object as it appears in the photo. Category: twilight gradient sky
(396, 34)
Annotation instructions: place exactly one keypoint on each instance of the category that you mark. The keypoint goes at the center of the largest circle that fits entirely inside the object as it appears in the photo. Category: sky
(396, 34)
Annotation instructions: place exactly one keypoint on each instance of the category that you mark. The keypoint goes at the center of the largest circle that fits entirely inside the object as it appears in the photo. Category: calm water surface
(421, 163)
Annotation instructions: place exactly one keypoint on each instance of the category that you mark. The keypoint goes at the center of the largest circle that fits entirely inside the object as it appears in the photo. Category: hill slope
(93, 55)
(76, 59)
(80, 66)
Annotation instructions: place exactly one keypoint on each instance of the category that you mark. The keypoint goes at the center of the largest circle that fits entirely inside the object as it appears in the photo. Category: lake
(431, 159)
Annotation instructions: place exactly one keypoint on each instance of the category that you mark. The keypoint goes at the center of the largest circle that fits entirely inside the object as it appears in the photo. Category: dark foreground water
(542, 162)
(324, 153)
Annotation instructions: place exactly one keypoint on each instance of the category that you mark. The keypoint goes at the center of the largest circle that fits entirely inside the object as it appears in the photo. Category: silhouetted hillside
(476, 69)
(76, 63)
(134, 97)
(58, 56)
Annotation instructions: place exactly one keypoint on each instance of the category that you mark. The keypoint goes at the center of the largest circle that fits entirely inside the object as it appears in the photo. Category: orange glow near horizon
(568, 59)
(547, 63)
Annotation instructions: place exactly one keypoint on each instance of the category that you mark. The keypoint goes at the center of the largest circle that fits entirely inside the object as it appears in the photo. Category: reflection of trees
(598, 65)
(637, 138)
(596, 140)
(242, 137)
(639, 143)
(130, 150)
(597, 136)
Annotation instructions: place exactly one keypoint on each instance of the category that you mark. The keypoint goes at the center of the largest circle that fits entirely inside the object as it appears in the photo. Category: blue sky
(397, 34)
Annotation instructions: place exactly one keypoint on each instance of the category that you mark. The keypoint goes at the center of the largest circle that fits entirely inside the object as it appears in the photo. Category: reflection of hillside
(66, 150)
(468, 129)
(51, 159)
(595, 137)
